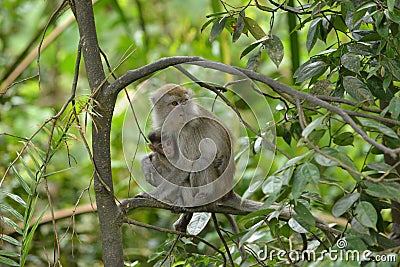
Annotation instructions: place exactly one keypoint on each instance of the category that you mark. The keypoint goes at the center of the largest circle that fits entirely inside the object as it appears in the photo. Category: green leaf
(311, 127)
(344, 139)
(250, 48)
(254, 28)
(16, 198)
(358, 227)
(312, 34)
(310, 172)
(392, 66)
(344, 158)
(351, 62)
(270, 200)
(316, 135)
(357, 89)
(343, 204)
(296, 226)
(390, 4)
(366, 214)
(28, 239)
(252, 230)
(217, 28)
(299, 183)
(380, 167)
(360, 49)
(394, 108)
(275, 50)
(304, 213)
(9, 254)
(21, 180)
(13, 212)
(10, 240)
(254, 185)
(291, 162)
(377, 88)
(378, 126)
(8, 262)
(208, 22)
(253, 61)
(309, 69)
(11, 224)
(272, 185)
(322, 87)
(239, 27)
(28, 170)
(198, 222)
(384, 190)
(393, 15)
(324, 161)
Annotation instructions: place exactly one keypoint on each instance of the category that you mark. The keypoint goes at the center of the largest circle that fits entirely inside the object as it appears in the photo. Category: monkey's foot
(179, 209)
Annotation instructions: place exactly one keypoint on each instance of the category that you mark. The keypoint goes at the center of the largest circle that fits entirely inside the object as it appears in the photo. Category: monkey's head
(155, 139)
(168, 98)
(163, 146)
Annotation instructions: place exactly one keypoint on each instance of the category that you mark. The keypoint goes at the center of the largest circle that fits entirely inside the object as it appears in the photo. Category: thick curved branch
(133, 75)
(280, 88)
(283, 89)
(243, 208)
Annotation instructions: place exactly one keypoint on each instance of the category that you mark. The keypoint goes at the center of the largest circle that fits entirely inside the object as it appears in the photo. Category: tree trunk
(108, 211)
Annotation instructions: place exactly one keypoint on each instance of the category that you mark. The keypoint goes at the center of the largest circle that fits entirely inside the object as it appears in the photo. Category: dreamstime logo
(207, 157)
(340, 254)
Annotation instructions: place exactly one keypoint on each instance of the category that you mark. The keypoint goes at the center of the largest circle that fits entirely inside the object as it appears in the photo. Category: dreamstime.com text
(340, 254)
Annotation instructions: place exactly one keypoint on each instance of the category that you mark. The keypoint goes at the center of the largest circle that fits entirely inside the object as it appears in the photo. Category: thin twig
(215, 221)
(149, 226)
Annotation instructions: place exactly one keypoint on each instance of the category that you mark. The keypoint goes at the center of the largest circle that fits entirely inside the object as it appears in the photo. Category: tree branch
(146, 201)
(136, 74)
(280, 88)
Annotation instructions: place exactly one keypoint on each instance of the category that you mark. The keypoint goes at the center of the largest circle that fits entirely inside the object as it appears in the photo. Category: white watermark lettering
(340, 254)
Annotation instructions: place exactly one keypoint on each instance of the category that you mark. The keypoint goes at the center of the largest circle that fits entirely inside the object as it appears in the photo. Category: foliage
(351, 65)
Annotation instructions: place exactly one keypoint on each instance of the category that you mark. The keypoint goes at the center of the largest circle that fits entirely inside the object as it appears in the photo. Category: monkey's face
(171, 105)
(178, 107)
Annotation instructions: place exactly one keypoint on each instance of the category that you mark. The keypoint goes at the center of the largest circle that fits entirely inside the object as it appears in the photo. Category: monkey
(172, 185)
(205, 148)
(158, 155)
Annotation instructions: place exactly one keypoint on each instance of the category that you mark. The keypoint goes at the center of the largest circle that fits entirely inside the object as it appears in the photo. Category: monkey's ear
(160, 92)
(152, 147)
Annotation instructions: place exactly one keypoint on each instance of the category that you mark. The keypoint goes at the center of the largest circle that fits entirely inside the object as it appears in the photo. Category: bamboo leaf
(22, 181)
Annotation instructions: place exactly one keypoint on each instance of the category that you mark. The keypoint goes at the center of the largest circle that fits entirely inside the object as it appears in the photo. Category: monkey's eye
(174, 103)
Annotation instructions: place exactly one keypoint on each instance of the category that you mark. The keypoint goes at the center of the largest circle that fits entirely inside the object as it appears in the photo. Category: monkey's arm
(149, 170)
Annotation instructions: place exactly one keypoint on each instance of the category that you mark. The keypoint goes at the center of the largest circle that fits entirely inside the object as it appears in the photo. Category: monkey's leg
(183, 221)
